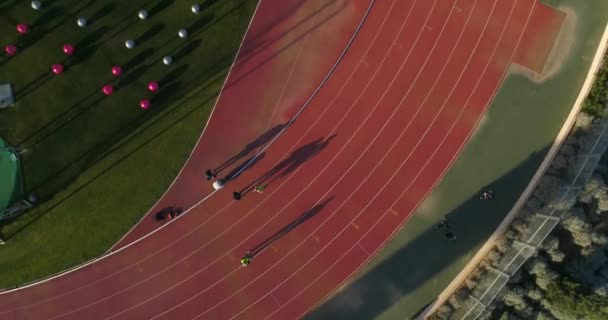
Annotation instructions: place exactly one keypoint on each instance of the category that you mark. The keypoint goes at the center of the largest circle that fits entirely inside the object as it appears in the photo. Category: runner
(487, 195)
(246, 260)
(210, 175)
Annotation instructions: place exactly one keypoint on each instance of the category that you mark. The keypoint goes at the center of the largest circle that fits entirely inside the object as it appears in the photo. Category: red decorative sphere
(57, 68)
(117, 71)
(153, 86)
(68, 49)
(107, 89)
(23, 28)
(11, 50)
(144, 104)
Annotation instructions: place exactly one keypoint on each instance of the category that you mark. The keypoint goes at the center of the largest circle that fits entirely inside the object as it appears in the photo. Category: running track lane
(401, 105)
(270, 77)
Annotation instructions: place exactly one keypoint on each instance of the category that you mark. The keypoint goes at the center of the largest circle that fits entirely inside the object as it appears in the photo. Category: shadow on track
(251, 147)
(385, 289)
(288, 228)
(291, 163)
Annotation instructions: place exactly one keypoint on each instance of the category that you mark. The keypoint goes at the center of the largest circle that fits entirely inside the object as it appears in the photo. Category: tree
(544, 275)
(566, 300)
(595, 195)
(579, 228)
(551, 247)
(515, 298)
(542, 315)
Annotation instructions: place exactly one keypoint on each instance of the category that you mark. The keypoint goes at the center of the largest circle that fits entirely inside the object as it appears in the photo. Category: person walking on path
(487, 195)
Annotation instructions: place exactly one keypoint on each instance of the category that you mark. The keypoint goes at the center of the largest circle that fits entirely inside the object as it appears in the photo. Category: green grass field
(99, 163)
(520, 126)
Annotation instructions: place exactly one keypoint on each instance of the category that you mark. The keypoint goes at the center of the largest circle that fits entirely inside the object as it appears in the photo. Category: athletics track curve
(341, 180)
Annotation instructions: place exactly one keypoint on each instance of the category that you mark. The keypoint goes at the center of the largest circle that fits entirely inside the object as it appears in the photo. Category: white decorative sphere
(196, 8)
(143, 14)
(130, 44)
(81, 22)
(167, 60)
(182, 33)
(36, 5)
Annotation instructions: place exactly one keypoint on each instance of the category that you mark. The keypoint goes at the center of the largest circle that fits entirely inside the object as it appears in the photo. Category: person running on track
(246, 259)
(209, 174)
(259, 188)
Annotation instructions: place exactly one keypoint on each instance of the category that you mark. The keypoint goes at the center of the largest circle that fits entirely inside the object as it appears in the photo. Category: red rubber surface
(343, 178)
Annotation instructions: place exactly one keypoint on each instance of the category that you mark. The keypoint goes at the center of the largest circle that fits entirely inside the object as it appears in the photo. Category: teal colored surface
(10, 177)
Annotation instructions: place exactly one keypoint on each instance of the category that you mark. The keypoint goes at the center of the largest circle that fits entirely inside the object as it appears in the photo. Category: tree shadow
(250, 147)
(307, 215)
(160, 6)
(418, 262)
(297, 158)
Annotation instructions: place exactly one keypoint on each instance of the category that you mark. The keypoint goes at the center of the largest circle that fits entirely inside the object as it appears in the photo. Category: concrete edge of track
(111, 252)
(557, 143)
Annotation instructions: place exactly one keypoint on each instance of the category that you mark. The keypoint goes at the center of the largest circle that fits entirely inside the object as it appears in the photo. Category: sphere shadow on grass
(173, 75)
(150, 33)
(41, 25)
(187, 49)
(169, 86)
(102, 12)
(200, 24)
(49, 15)
(8, 5)
(133, 75)
(138, 59)
(33, 85)
(86, 47)
(206, 4)
(160, 6)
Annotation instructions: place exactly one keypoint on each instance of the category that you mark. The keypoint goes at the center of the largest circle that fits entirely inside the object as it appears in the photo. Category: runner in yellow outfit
(246, 260)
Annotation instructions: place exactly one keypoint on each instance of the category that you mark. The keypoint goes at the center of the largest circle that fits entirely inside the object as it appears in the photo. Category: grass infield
(99, 163)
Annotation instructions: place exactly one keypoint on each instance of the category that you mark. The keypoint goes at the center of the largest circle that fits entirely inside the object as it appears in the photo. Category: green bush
(598, 96)
(566, 300)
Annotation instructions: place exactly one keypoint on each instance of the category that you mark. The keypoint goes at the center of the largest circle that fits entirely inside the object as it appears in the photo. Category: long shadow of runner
(248, 164)
(289, 164)
(250, 147)
(288, 228)
(425, 263)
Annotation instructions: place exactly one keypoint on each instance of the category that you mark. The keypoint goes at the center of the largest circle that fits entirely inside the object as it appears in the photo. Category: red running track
(341, 180)
(268, 83)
